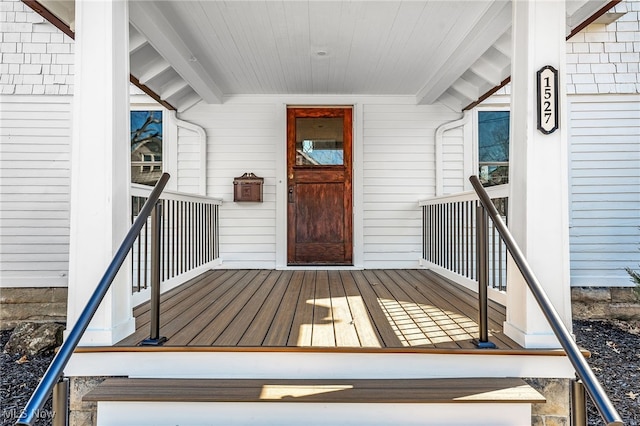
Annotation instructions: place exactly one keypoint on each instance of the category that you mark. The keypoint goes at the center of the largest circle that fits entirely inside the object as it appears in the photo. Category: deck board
(217, 317)
(344, 328)
(379, 391)
(246, 314)
(323, 333)
(385, 309)
(301, 327)
(257, 331)
(194, 312)
(279, 329)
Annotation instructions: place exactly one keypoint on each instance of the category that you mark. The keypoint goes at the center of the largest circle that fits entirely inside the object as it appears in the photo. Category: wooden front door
(319, 186)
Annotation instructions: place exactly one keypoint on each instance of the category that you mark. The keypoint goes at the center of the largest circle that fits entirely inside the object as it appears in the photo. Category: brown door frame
(306, 173)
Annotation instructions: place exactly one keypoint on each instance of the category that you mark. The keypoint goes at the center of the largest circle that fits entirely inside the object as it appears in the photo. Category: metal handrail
(583, 371)
(54, 372)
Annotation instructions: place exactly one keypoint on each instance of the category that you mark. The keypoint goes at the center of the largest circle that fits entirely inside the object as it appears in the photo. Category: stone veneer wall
(557, 410)
(32, 305)
(602, 303)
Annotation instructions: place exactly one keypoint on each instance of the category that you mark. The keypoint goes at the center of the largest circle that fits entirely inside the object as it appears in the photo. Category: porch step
(459, 401)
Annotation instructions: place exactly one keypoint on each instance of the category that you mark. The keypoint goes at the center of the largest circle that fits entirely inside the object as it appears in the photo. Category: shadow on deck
(377, 310)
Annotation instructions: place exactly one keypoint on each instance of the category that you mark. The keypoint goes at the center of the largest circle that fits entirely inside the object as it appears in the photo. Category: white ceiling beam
(487, 71)
(466, 89)
(154, 69)
(150, 22)
(188, 101)
(136, 42)
(490, 27)
(503, 44)
(453, 102)
(172, 88)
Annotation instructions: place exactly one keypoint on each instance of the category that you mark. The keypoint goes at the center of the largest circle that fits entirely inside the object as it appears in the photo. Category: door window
(319, 141)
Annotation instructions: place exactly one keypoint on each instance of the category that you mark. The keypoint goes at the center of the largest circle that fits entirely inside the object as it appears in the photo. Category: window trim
(475, 143)
(150, 107)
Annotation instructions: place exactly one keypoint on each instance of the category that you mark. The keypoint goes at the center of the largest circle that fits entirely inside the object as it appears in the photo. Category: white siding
(453, 170)
(604, 58)
(605, 189)
(241, 138)
(397, 171)
(35, 57)
(188, 179)
(34, 190)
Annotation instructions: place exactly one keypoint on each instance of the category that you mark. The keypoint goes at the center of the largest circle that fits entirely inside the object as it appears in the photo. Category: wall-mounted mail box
(247, 187)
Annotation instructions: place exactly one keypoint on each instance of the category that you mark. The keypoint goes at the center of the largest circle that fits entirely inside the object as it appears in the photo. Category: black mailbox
(247, 187)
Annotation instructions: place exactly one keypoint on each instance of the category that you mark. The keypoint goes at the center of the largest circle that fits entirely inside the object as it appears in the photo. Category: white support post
(538, 204)
(100, 172)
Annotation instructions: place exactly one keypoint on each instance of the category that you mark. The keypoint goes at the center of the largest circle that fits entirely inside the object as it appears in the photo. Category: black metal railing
(187, 236)
(583, 371)
(54, 373)
(449, 236)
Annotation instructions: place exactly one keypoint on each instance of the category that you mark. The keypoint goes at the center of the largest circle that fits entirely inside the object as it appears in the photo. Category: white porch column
(538, 204)
(100, 175)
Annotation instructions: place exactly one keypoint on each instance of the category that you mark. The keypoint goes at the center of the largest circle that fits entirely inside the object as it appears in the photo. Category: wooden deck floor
(387, 309)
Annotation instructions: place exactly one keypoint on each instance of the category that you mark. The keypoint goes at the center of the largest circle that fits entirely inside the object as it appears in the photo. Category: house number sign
(547, 99)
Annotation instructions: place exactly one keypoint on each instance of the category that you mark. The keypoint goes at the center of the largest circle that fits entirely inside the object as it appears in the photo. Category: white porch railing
(449, 238)
(189, 238)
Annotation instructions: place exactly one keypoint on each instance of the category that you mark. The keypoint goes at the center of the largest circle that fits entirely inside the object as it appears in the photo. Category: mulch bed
(18, 380)
(615, 358)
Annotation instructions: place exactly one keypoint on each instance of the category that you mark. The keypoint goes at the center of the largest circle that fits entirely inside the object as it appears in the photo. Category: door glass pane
(319, 141)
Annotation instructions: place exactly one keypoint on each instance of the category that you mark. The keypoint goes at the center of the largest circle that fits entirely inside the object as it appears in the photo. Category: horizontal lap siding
(605, 189)
(34, 190)
(399, 170)
(453, 173)
(241, 138)
(188, 161)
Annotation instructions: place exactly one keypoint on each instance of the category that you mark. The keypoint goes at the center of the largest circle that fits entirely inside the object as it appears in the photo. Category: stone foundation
(557, 410)
(32, 304)
(82, 413)
(605, 303)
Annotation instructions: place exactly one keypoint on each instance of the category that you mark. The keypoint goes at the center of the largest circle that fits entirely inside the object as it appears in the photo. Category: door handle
(291, 193)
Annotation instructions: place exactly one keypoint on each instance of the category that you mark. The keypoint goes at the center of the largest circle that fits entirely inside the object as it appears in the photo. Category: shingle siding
(603, 58)
(35, 57)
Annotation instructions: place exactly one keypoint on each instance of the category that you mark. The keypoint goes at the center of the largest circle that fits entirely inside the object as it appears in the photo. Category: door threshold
(319, 268)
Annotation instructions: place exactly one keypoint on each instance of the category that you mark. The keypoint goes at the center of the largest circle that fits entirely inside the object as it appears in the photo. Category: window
(319, 141)
(146, 147)
(493, 147)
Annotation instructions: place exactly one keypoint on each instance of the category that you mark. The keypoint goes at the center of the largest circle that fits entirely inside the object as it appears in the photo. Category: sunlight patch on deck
(274, 392)
(334, 324)
(505, 393)
(416, 324)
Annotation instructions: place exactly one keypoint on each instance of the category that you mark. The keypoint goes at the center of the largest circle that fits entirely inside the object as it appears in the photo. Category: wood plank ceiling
(438, 51)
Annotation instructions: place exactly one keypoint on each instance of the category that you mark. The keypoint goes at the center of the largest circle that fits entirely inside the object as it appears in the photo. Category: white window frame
(169, 138)
(495, 105)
